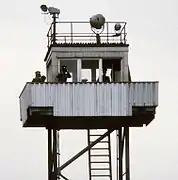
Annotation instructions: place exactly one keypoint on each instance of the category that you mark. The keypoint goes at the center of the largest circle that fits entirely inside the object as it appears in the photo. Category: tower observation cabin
(88, 86)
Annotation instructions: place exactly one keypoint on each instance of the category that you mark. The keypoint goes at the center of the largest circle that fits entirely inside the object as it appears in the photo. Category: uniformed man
(63, 75)
(43, 78)
(105, 78)
(37, 78)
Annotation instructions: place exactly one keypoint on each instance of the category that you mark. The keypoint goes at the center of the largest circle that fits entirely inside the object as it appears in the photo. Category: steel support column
(123, 142)
(49, 154)
(52, 155)
(127, 158)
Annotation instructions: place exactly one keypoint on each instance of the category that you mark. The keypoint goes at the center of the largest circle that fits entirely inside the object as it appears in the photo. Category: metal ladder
(99, 157)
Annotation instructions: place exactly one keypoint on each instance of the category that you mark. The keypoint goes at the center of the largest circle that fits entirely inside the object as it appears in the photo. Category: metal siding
(143, 94)
(87, 99)
(119, 100)
(25, 101)
(103, 98)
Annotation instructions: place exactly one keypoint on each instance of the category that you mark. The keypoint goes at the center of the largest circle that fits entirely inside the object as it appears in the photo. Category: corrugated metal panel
(75, 99)
(143, 94)
(119, 100)
(25, 101)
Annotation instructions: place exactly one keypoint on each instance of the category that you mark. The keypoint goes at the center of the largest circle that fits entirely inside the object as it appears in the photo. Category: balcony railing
(80, 32)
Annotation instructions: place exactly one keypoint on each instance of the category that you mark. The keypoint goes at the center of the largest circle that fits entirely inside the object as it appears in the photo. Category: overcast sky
(153, 38)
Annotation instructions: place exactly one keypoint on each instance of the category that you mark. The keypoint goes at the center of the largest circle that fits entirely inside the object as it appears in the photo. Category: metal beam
(55, 154)
(110, 162)
(127, 159)
(120, 148)
(121, 143)
(89, 154)
(49, 154)
(62, 176)
(84, 150)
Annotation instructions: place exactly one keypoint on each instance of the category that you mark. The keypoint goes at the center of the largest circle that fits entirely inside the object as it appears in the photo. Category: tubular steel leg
(117, 154)
(49, 155)
(110, 162)
(55, 154)
(120, 154)
(127, 159)
(89, 155)
(58, 152)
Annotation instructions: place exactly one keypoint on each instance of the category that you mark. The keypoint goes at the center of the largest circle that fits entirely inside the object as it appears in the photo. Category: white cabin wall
(54, 66)
(125, 67)
(61, 55)
(123, 75)
(49, 70)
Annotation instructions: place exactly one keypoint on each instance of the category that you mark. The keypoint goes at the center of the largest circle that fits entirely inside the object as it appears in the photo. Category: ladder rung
(99, 155)
(100, 169)
(100, 165)
(99, 148)
(100, 162)
(100, 175)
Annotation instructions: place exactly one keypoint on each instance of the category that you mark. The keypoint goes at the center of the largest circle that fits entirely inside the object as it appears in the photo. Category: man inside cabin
(105, 78)
(63, 75)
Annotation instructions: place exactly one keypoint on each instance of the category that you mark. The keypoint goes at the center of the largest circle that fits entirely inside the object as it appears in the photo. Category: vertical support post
(54, 65)
(122, 68)
(79, 69)
(98, 39)
(58, 65)
(120, 154)
(107, 29)
(54, 29)
(49, 155)
(127, 159)
(93, 74)
(125, 67)
(117, 154)
(89, 154)
(71, 31)
(100, 70)
(124, 33)
(110, 162)
(58, 149)
(112, 74)
(55, 154)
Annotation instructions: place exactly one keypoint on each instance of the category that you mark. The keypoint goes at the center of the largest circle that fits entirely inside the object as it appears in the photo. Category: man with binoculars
(63, 75)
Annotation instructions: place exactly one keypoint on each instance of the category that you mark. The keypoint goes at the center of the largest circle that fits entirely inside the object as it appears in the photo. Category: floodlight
(53, 10)
(50, 10)
(97, 25)
(44, 8)
(97, 21)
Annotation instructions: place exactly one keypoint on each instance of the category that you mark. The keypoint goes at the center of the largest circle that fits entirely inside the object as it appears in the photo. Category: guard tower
(100, 100)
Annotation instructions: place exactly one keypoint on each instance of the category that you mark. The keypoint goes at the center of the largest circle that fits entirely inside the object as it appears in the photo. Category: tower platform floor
(39, 119)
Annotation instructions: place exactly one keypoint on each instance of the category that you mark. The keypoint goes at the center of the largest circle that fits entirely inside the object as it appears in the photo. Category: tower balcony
(88, 105)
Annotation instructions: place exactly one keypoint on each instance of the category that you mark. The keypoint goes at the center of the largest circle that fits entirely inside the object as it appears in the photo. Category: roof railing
(80, 32)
